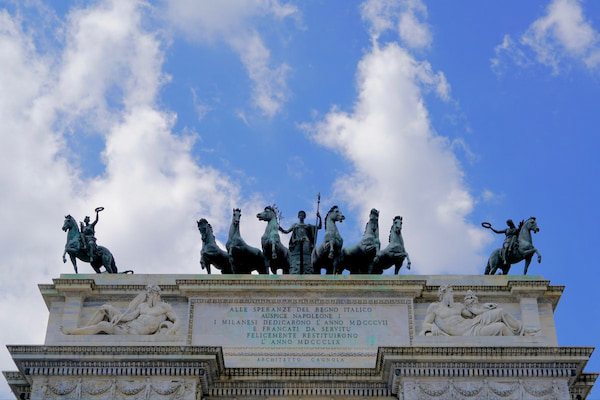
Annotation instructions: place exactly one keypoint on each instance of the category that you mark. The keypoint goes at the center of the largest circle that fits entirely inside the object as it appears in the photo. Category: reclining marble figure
(147, 314)
(472, 318)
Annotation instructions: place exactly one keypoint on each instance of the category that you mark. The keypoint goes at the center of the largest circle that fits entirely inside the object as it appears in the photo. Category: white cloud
(402, 15)
(562, 34)
(104, 80)
(231, 21)
(401, 166)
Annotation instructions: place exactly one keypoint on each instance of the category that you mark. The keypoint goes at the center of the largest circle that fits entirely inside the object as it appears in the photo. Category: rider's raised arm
(499, 232)
(320, 223)
(96, 220)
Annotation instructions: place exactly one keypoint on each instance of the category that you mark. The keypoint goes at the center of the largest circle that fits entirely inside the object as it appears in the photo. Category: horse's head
(267, 215)
(237, 214)
(396, 225)
(373, 220)
(69, 223)
(204, 228)
(334, 214)
(531, 224)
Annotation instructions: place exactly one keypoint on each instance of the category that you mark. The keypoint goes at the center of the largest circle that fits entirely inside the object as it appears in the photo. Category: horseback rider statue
(510, 240)
(517, 246)
(88, 233)
(81, 244)
(302, 243)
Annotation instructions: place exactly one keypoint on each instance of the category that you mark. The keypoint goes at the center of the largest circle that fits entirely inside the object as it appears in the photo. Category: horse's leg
(265, 265)
(74, 262)
(108, 261)
(493, 266)
(270, 267)
(113, 265)
(527, 262)
(205, 264)
(96, 268)
(273, 250)
(331, 252)
(398, 265)
(230, 255)
(336, 267)
(313, 260)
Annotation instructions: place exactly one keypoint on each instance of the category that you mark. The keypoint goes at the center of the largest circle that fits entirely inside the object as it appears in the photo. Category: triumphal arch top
(300, 334)
(138, 336)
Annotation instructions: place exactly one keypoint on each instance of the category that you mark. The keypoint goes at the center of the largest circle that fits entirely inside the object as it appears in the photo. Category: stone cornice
(195, 285)
(393, 365)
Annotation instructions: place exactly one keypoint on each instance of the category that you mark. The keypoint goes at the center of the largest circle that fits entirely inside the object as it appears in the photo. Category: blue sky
(446, 113)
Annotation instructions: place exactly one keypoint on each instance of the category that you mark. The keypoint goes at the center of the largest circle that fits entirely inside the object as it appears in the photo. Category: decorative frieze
(488, 389)
(114, 388)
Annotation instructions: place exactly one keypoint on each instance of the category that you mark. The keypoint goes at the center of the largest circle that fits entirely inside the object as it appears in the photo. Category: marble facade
(309, 337)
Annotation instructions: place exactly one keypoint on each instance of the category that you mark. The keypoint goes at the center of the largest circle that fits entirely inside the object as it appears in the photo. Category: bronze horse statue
(329, 253)
(276, 254)
(211, 254)
(244, 259)
(524, 250)
(394, 253)
(358, 259)
(76, 248)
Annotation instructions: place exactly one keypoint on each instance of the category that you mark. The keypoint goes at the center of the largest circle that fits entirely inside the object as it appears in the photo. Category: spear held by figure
(317, 220)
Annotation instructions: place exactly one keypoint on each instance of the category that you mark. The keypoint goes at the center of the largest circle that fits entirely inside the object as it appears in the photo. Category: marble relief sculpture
(147, 314)
(447, 318)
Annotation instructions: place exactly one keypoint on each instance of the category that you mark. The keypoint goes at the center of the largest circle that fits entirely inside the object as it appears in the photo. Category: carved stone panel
(265, 332)
(138, 388)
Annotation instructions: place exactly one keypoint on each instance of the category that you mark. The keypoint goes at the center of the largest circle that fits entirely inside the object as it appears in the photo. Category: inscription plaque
(288, 332)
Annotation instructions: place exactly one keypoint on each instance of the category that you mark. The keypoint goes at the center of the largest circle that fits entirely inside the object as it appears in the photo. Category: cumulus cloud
(231, 21)
(401, 166)
(103, 80)
(400, 15)
(562, 34)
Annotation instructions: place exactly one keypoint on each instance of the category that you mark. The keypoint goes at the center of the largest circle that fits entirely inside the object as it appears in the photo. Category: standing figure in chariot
(302, 243)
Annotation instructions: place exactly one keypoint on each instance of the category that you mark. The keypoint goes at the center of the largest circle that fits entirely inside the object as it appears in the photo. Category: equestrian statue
(517, 246)
(358, 259)
(211, 254)
(82, 244)
(244, 259)
(394, 253)
(329, 253)
(277, 256)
